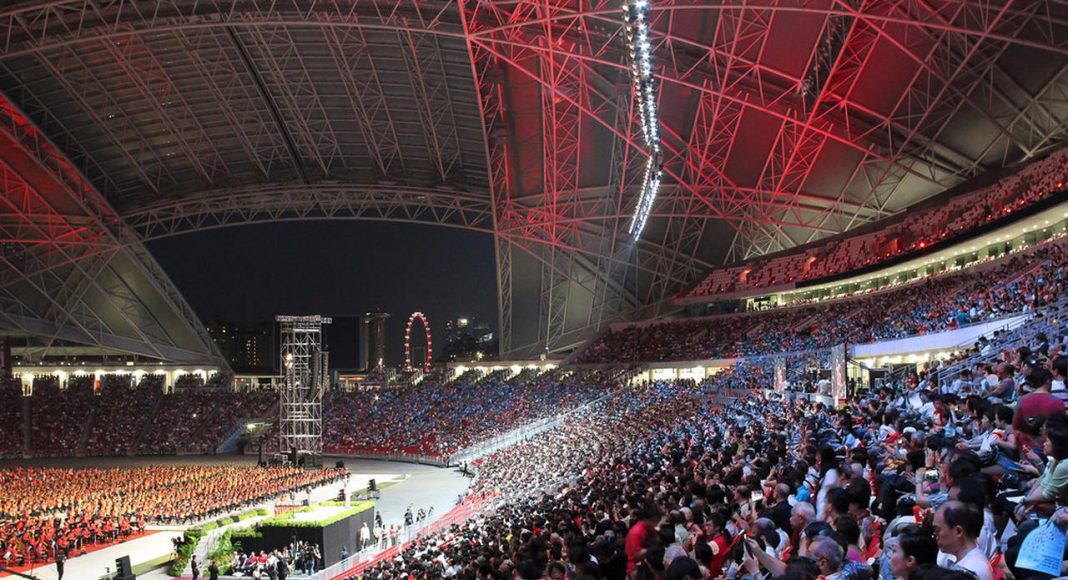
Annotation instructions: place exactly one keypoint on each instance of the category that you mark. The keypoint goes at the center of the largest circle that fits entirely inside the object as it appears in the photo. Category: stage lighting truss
(642, 66)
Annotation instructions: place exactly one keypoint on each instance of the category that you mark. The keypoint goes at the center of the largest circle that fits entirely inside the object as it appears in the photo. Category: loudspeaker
(372, 486)
(123, 571)
(340, 465)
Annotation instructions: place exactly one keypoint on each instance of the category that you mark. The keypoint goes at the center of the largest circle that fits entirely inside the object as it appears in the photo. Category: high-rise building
(468, 339)
(245, 347)
(373, 340)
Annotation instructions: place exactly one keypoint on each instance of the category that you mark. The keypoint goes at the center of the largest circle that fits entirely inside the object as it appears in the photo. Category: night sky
(342, 268)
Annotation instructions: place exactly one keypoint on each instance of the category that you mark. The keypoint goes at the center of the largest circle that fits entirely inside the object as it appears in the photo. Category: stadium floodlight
(643, 77)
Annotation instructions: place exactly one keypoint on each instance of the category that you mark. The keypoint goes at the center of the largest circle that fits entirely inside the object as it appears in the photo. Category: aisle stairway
(83, 438)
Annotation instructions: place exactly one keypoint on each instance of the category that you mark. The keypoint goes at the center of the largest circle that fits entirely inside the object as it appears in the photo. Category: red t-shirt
(723, 547)
(636, 538)
(1036, 405)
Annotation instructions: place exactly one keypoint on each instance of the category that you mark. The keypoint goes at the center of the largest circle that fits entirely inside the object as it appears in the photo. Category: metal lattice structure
(304, 380)
(781, 122)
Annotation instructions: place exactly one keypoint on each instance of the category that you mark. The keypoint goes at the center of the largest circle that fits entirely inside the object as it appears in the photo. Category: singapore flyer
(408, 341)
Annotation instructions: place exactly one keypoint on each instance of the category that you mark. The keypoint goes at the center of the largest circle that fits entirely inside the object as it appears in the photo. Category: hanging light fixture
(643, 66)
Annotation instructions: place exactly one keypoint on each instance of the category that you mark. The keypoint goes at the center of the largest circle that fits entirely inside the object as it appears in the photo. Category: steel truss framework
(304, 376)
(71, 270)
(782, 121)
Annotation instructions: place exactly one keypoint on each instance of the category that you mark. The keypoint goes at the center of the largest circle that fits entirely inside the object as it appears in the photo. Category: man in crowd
(957, 526)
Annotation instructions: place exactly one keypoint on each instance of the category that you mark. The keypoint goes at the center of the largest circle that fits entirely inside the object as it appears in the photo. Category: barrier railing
(1016, 335)
(437, 460)
(360, 561)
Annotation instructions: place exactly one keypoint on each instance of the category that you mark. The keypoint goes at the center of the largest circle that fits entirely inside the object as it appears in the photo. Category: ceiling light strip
(642, 65)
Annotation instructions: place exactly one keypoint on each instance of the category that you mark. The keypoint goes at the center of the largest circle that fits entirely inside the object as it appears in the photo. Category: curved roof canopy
(782, 121)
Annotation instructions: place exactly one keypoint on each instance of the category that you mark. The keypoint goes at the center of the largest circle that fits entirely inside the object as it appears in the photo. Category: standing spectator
(641, 534)
(61, 558)
(283, 569)
(365, 537)
(195, 566)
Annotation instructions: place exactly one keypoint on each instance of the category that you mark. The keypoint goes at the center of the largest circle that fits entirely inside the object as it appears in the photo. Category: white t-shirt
(988, 537)
(830, 479)
(975, 561)
(1057, 389)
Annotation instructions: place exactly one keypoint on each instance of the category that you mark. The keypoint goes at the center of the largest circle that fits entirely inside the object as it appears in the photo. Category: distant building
(373, 341)
(247, 347)
(468, 338)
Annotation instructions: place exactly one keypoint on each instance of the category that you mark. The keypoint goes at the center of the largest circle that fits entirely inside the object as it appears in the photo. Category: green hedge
(286, 520)
(252, 514)
(193, 536)
(245, 533)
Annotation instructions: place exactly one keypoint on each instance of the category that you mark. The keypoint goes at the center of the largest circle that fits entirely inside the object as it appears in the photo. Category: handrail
(356, 563)
(951, 371)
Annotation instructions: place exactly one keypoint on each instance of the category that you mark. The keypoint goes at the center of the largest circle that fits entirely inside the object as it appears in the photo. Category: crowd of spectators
(919, 483)
(196, 419)
(920, 230)
(110, 415)
(250, 405)
(299, 557)
(10, 418)
(45, 511)
(59, 416)
(439, 419)
(1015, 284)
(120, 413)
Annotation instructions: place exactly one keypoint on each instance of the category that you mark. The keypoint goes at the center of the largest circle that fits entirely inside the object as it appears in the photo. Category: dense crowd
(440, 419)
(961, 215)
(11, 418)
(121, 413)
(1018, 283)
(59, 416)
(113, 416)
(298, 558)
(921, 483)
(435, 418)
(45, 511)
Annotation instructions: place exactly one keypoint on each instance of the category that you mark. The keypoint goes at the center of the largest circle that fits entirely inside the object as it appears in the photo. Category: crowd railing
(1011, 336)
(355, 564)
(421, 458)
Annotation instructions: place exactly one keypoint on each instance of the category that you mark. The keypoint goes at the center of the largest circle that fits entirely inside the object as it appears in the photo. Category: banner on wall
(780, 373)
(7, 366)
(838, 374)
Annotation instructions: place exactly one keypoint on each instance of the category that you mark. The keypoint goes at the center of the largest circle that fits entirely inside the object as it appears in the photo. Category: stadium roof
(782, 121)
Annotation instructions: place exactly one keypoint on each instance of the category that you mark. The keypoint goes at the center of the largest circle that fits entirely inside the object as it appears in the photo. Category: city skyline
(340, 269)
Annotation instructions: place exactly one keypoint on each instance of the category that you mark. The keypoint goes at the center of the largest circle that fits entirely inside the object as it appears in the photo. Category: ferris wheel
(408, 341)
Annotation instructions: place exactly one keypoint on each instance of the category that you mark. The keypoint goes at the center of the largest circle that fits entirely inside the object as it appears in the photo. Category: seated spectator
(957, 526)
